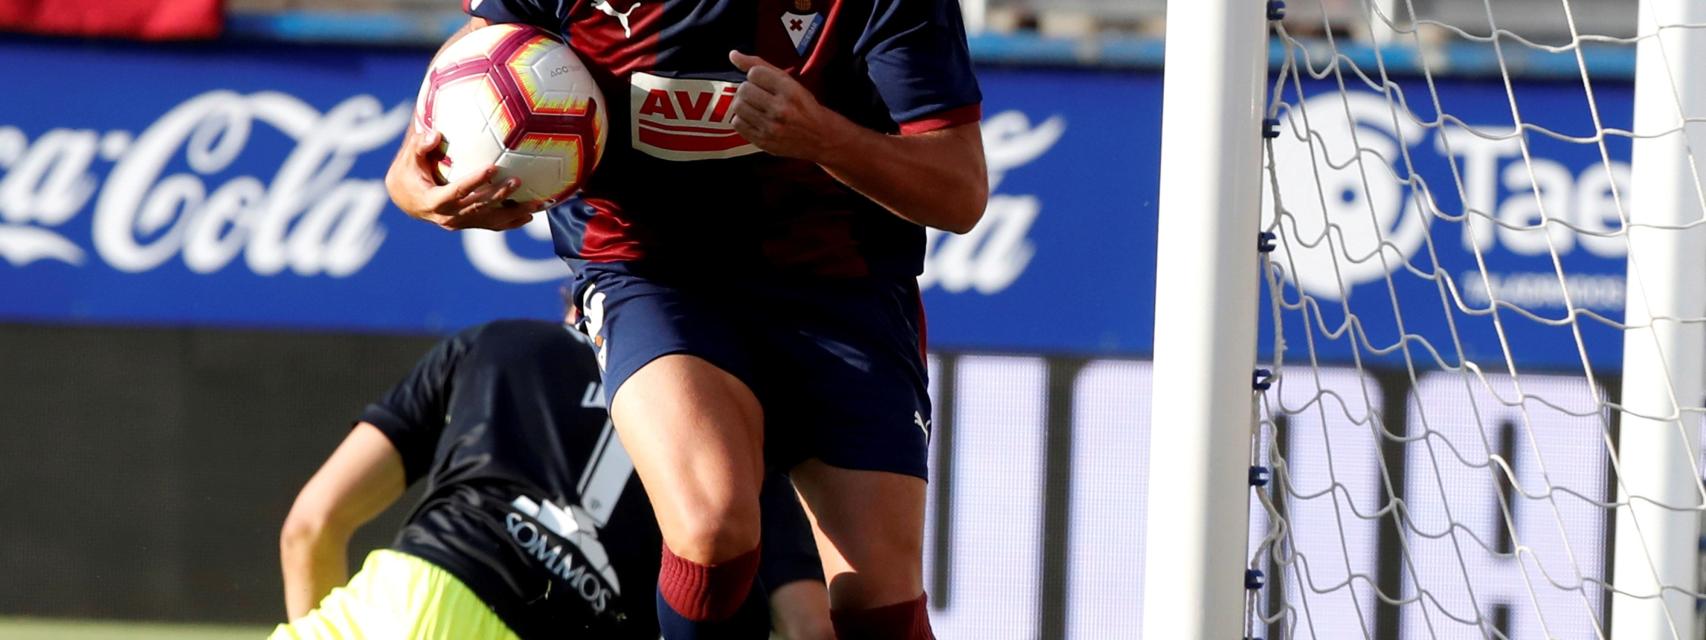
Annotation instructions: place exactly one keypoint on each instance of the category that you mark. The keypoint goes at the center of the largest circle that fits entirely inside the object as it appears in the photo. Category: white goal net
(1468, 222)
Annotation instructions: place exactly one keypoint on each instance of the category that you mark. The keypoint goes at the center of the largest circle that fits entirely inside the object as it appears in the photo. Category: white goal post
(1420, 475)
(1658, 524)
(1205, 344)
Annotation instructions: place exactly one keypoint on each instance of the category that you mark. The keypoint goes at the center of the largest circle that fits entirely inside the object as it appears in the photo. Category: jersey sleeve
(790, 553)
(547, 14)
(412, 414)
(916, 54)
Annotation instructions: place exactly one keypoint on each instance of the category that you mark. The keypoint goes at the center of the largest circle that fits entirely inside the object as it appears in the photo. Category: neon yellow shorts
(396, 595)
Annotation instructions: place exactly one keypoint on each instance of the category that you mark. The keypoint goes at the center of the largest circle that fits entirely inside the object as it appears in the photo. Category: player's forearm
(363, 476)
(936, 179)
(314, 563)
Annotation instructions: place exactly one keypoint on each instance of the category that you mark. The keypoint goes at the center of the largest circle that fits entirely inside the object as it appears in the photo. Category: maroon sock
(908, 620)
(701, 592)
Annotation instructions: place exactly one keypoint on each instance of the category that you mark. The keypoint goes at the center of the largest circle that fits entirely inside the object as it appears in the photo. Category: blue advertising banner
(1438, 211)
(241, 185)
(1064, 258)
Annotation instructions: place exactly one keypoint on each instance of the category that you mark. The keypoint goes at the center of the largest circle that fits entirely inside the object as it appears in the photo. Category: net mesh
(1449, 206)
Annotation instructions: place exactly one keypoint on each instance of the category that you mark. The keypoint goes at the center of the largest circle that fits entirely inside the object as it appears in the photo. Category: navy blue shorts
(837, 364)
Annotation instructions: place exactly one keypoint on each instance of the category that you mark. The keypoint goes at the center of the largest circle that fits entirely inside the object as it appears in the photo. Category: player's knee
(874, 586)
(876, 570)
(716, 531)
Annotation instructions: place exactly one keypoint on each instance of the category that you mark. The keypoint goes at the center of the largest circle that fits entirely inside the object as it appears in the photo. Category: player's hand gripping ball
(513, 97)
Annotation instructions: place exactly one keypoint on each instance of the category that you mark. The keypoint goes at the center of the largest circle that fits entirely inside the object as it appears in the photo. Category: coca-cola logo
(309, 216)
(994, 254)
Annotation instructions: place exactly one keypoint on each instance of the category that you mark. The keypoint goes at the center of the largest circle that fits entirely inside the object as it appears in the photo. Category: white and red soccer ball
(514, 96)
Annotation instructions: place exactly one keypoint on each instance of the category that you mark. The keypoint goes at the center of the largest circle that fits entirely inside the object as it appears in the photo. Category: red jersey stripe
(664, 126)
(943, 119)
(684, 142)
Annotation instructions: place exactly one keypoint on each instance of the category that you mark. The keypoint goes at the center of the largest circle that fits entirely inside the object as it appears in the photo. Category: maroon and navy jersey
(678, 187)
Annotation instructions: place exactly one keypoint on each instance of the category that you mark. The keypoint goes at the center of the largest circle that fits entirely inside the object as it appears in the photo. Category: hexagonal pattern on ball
(541, 175)
(516, 97)
(465, 111)
(549, 77)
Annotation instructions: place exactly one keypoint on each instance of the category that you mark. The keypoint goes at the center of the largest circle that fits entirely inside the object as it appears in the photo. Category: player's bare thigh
(870, 532)
(696, 436)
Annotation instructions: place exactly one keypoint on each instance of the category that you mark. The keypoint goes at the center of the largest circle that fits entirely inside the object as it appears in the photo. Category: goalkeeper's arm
(360, 480)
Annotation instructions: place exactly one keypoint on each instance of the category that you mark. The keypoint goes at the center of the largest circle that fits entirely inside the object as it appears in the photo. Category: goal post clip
(1259, 476)
(1254, 579)
(1262, 379)
(1276, 10)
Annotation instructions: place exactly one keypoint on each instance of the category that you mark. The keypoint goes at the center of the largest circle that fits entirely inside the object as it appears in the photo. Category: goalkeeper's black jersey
(530, 500)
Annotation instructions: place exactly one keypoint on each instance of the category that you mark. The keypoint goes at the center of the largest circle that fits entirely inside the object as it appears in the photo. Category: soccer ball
(514, 96)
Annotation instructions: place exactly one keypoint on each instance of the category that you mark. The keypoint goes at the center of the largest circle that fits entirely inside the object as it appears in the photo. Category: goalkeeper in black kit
(532, 524)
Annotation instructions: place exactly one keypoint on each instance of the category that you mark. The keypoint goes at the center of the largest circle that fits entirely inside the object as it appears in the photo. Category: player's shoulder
(886, 19)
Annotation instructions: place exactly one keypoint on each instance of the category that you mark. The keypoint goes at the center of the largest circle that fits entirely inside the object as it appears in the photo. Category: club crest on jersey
(684, 118)
(802, 25)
